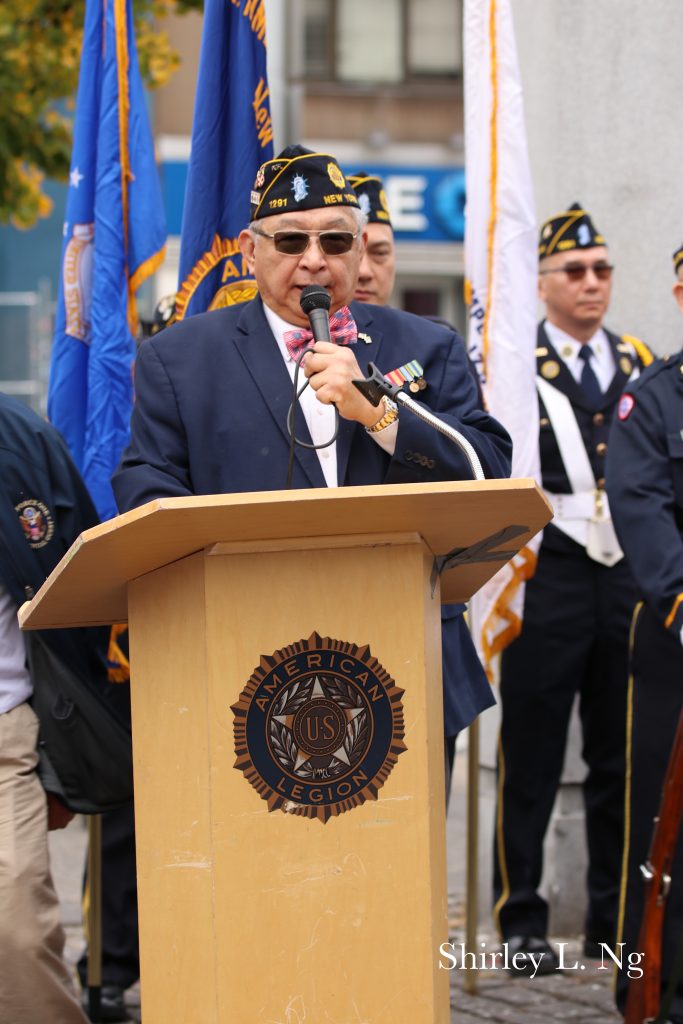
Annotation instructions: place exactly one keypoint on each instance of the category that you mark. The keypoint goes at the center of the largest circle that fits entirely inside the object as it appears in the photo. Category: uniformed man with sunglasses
(578, 606)
(213, 391)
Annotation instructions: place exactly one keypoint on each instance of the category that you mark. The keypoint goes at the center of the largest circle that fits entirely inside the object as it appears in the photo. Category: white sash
(582, 515)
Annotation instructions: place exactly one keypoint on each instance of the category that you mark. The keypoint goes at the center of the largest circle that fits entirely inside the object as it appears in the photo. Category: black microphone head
(314, 296)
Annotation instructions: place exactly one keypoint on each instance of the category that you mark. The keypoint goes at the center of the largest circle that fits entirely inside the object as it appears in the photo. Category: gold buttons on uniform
(601, 448)
(599, 419)
(550, 369)
(544, 422)
(600, 483)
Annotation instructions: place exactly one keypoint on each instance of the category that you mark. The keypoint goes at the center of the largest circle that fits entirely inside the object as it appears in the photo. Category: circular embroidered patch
(626, 406)
(335, 175)
(36, 522)
(318, 727)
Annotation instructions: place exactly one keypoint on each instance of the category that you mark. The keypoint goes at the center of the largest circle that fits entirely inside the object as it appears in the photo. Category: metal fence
(26, 320)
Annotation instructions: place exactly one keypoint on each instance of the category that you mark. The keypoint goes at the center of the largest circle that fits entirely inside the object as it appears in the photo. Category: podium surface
(89, 586)
(288, 738)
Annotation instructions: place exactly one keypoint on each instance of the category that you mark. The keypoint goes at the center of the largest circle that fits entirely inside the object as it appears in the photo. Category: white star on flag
(75, 178)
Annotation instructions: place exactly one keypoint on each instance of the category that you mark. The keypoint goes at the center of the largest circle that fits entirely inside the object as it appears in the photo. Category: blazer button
(601, 448)
(599, 419)
(408, 456)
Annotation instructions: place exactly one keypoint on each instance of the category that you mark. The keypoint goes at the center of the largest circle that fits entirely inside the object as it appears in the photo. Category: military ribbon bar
(411, 371)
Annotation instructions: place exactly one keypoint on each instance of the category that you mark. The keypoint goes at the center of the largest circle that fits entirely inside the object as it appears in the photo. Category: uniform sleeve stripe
(672, 614)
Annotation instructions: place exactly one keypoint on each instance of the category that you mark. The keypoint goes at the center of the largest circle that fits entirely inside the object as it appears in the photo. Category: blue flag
(114, 236)
(232, 135)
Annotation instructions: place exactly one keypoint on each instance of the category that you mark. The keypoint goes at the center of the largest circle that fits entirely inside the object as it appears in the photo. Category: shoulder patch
(36, 522)
(626, 406)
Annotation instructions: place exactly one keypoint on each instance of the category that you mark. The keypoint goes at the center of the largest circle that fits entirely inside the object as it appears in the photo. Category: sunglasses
(577, 271)
(295, 243)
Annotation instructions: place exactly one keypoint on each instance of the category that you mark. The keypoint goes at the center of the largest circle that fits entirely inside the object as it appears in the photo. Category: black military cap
(372, 198)
(299, 179)
(572, 229)
(163, 316)
(678, 259)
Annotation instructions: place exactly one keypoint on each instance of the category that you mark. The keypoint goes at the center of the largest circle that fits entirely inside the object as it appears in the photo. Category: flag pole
(94, 917)
(472, 857)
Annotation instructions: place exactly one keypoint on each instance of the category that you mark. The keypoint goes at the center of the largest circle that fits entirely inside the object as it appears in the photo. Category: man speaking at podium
(213, 392)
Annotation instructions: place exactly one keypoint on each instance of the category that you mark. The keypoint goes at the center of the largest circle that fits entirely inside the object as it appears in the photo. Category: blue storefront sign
(426, 203)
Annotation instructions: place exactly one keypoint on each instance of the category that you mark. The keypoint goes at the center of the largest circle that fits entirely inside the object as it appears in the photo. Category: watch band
(390, 414)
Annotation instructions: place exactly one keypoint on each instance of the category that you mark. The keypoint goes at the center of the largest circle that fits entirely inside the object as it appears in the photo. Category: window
(367, 41)
(434, 37)
(377, 41)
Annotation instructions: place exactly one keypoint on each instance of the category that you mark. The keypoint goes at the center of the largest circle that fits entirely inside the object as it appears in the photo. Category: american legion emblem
(318, 727)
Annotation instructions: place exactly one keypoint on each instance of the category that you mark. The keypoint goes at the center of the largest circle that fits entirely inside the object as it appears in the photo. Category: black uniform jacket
(44, 505)
(594, 424)
(645, 486)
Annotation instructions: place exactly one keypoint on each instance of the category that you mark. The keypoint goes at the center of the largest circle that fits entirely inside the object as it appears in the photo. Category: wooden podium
(331, 907)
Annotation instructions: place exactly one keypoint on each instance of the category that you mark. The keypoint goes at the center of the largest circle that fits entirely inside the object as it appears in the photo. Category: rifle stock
(643, 999)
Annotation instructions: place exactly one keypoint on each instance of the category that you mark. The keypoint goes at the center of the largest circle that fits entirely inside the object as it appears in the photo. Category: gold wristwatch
(390, 414)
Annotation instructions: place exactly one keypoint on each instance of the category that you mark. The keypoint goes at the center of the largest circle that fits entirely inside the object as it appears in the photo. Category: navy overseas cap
(299, 179)
(678, 259)
(163, 316)
(372, 198)
(572, 229)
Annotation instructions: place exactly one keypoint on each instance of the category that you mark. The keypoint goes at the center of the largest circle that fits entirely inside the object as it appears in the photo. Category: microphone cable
(315, 302)
(293, 439)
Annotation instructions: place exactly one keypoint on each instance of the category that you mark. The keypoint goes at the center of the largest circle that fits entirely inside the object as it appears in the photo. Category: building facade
(379, 85)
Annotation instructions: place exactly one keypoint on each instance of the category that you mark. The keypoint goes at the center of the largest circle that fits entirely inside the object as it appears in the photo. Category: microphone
(315, 302)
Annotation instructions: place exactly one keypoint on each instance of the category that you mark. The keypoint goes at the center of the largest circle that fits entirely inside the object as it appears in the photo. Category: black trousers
(656, 701)
(120, 953)
(120, 950)
(574, 641)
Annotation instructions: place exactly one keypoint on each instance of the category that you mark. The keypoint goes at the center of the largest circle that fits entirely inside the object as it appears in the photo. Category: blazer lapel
(620, 378)
(256, 345)
(564, 380)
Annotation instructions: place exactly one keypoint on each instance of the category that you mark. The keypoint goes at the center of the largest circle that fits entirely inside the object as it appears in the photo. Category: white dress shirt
(319, 416)
(568, 348)
(15, 681)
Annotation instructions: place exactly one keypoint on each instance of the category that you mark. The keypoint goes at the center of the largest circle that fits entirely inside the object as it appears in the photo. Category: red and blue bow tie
(343, 331)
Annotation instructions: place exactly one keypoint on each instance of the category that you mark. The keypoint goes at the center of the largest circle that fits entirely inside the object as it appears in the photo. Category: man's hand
(331, 370)
(58, 816)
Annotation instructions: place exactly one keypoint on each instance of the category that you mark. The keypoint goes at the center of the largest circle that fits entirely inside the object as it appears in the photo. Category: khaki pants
(35, 984)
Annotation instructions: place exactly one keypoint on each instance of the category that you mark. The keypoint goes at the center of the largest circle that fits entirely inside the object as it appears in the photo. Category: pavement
(572, 996)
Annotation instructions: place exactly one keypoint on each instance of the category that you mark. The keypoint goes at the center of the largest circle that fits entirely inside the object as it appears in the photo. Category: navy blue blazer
(212, 395)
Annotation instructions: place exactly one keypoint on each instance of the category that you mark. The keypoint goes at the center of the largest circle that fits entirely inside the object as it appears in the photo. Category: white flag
(501, 266)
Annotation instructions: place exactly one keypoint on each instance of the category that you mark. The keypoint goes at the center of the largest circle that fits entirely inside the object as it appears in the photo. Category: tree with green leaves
(40, 46)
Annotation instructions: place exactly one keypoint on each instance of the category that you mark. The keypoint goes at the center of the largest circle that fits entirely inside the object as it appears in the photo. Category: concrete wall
(605, 126)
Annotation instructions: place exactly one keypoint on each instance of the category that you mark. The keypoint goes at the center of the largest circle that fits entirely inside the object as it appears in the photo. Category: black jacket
(594, 424)
(44, 506)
